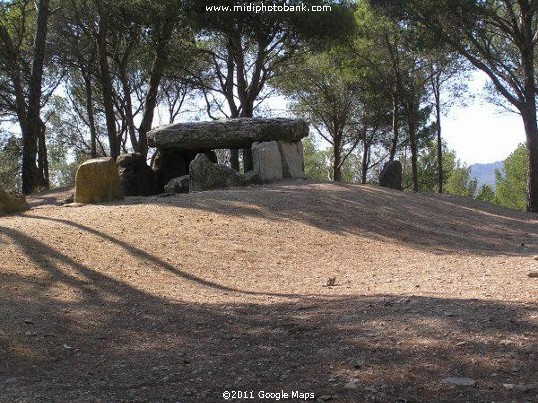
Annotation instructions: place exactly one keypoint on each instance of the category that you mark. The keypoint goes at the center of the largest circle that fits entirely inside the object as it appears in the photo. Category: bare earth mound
(183, 298)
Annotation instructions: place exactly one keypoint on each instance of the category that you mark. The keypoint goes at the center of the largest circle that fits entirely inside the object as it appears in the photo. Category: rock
(300, 151)
(205, 175)
(73, 205)
(178, 185)
(251, 178)
(11, 202)
(460, 381)
(136, 176)
(69, 199)
(391, 175)
(97, 180)
(232, 133)
(292, 162)
(267, 161)
(352, 385)
(522, 387)
(533, 274)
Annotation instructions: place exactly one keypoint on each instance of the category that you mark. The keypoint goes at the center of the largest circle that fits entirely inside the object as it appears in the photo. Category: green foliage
(427, 167)
(10, 162)
(459, 182)
(510, 185)
(315, 161)
(486, 193)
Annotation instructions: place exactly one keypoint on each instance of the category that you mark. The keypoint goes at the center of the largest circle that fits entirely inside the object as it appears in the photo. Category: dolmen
(187, 149)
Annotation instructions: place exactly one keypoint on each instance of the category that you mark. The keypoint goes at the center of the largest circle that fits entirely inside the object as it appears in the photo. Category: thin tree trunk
(30, 173)
(436, 87)
(108, 91)
(91, 115)
(411, 121)
(43, 161)
(157, 72)
(395, 128)
(531, 134)
(364, 167)
(337, 156)
(128, 109)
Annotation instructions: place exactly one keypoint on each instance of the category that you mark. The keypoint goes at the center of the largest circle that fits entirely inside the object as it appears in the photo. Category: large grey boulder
(136, 176)
(205, 175)
(11, 202)
(292, 161)
(232, 133)
(391, 175)
(268, 161)
(97, 180)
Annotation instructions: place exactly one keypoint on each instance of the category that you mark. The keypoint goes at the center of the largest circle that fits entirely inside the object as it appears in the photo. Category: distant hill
(485, 173)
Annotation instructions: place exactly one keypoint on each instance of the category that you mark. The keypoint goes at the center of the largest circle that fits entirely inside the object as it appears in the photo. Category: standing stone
(136, 176)
(205, 175)
(12, 203)
(292, 164)
(97, 180)
(267, 161)
(300, 150)
(391, 175)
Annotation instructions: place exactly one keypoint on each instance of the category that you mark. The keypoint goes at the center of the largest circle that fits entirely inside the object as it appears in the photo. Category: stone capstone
(267, 161)
(292, 160)
(205, 175)
(97, 180)
(136, 176)
(11, 202)
(178, 185)
(231, 133)
(391, 175)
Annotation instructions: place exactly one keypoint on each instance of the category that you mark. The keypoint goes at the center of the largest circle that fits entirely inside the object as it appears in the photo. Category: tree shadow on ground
(114, 342)
(438, 223)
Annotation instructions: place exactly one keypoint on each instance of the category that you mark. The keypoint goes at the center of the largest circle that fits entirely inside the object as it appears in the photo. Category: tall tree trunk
(30, 173)
(91, 114)
(337, 159)
(531, 132)
(395, 127)
(364, 165)
(412, 126)
(436, 87)
(107, 88)
(43, 160)
(128, 109)
(157, 72)
(528, 110)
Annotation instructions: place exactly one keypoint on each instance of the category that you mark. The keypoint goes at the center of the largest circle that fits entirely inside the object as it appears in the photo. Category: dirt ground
(182, 298)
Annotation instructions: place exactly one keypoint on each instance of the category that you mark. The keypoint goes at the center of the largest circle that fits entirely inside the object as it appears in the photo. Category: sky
(481, 132)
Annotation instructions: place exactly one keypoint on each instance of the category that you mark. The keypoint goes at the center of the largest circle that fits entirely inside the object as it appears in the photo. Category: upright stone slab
(292, 164)
(136, 176)
(300, 151)
(97, 180)
(267, 161)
